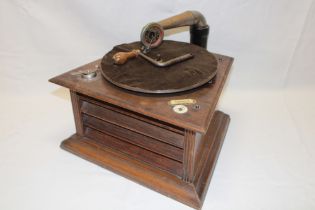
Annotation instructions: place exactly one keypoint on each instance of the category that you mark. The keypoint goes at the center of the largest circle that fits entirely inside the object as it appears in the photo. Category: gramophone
(147, 109)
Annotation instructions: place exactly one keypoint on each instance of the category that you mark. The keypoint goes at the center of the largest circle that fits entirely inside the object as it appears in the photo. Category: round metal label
(180, 109)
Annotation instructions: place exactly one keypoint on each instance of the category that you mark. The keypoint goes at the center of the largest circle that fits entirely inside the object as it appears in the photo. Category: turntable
(147, 110)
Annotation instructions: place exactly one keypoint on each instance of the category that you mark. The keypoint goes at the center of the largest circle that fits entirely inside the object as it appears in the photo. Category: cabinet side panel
(76, 112)
(189, 155)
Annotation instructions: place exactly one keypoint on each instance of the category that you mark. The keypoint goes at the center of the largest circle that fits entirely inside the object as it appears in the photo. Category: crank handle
(122, 57)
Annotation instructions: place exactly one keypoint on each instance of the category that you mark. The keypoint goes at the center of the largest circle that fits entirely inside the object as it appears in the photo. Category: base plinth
(189, 193)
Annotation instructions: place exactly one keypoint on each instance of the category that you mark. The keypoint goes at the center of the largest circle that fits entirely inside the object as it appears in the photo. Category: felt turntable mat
(139, 75)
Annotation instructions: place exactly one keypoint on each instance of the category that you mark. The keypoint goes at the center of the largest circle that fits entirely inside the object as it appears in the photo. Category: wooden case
(141, 138)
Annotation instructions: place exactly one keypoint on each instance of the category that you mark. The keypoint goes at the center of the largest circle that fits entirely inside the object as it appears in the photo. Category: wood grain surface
(153, 106)
(140, 136)
(162, 181)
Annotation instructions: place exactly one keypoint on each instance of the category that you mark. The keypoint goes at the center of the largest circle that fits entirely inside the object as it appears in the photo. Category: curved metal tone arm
(152, 34)
(188, 18)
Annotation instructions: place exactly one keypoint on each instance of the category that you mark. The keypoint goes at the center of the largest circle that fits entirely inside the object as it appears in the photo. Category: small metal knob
(88, 74)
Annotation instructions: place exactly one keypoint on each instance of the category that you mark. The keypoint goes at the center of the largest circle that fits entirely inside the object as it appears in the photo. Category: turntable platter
(141, 76)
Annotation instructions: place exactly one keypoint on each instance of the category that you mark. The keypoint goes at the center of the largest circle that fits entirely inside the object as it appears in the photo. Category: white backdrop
(268, 158)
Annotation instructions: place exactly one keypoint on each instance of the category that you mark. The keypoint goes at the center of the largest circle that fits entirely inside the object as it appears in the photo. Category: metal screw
(196, 106)
(158, 57)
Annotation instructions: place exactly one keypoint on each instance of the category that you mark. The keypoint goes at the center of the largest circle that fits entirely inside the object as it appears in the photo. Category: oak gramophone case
(147, 109)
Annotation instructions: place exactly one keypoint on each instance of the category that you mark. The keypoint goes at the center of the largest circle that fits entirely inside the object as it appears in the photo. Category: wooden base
(190, 192)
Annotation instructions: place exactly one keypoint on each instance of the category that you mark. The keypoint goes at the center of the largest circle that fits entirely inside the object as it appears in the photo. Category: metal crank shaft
(122, 57)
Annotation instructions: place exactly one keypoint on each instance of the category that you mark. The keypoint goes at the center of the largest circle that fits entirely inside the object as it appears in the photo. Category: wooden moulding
(189, 187)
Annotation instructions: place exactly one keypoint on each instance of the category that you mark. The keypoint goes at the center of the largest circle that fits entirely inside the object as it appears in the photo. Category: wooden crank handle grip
(122, 57)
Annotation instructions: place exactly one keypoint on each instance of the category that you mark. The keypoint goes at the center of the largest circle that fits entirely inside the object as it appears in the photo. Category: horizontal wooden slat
(133, 124)
(133, 114)
(136, 152)
(134, 138)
